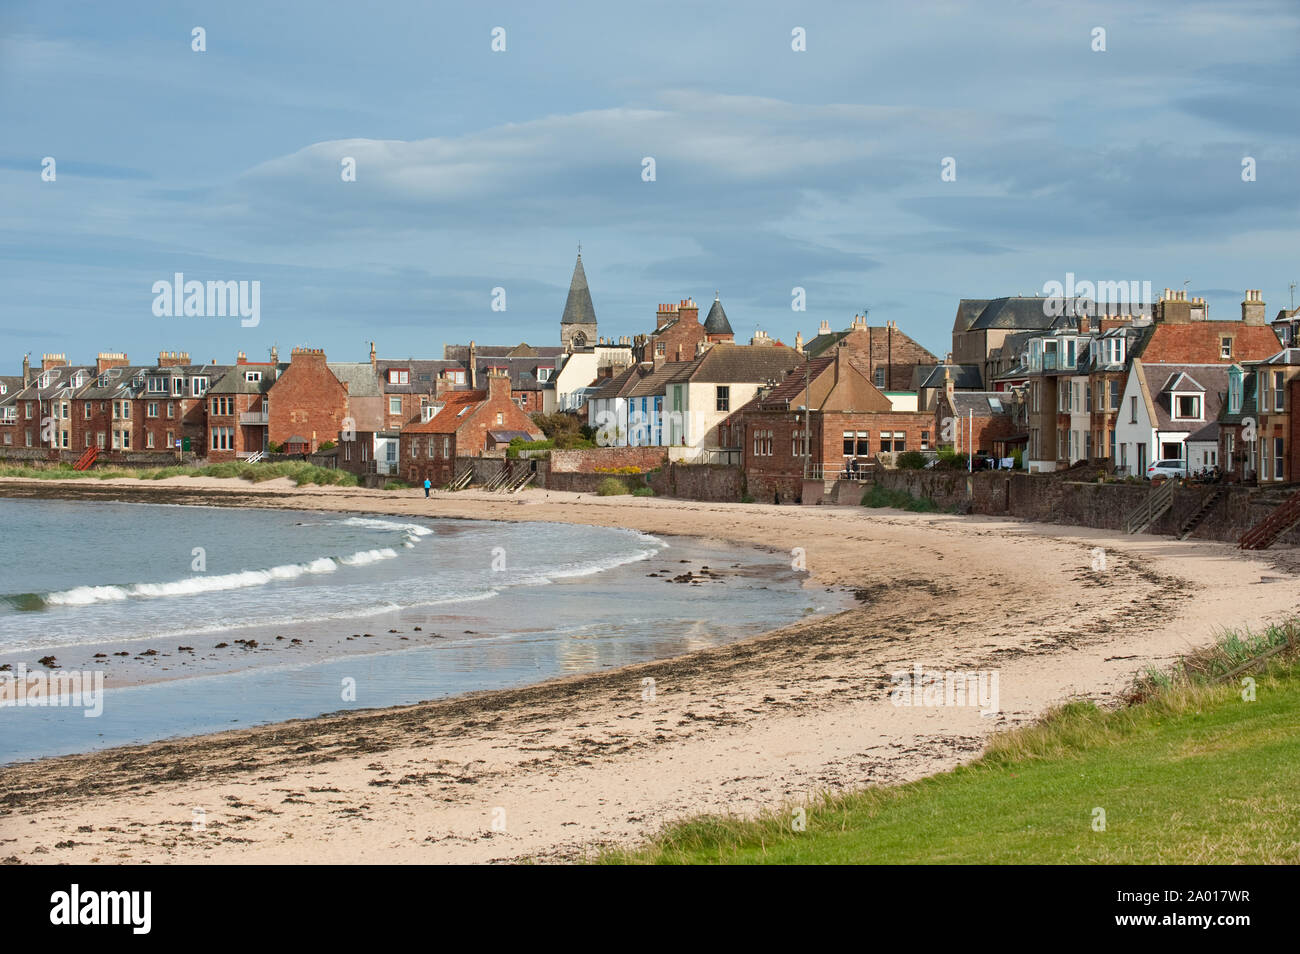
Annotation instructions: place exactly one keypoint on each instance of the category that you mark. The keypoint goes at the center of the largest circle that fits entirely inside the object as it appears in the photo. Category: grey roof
(1211, 380)
(234, 382)
(968, 309)
(522, 371)
(1287, 356)
(459, 353)
(727, 363)
(423, 374)
(965, 377)
(359, 376)
(716, 323)
(982, 403)
(578, 309)
(1016, 314)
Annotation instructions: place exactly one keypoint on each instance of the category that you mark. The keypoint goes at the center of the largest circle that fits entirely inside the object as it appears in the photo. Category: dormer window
(178, 387)
(253, 377)
(45, 380)
(199, 386)
(157, 385)
(1225, 348)
(1187, 407)
(1234, 391)
(396, 376)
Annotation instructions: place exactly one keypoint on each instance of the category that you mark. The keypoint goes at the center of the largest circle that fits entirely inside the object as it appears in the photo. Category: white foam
(413, 529)
(369, 556)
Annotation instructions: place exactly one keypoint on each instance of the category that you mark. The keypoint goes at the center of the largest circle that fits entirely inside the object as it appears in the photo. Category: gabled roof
(578, 308)
(234, 381)
(1287, 356)
(982, 403)
(716, 323)
(794, 382)
(1182, 381)
(1212, 381)
(1018, 314)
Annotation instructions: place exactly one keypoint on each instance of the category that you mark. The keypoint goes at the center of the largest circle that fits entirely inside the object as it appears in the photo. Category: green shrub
(878, 496)
(910, 460)
(643, 492)
(395, 484)
(611, 487)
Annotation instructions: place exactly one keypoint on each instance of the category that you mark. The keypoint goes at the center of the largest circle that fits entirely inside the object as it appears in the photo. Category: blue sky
(774, 168)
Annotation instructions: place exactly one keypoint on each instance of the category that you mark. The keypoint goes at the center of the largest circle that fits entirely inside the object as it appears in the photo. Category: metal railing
(255, 417)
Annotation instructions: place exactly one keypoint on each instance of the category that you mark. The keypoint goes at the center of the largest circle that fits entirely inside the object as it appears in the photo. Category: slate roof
(359, 376)
(423, 373)
(965, 377)
(716, 323)
(1287, 356)
(618, 385)
(1014, 313)
(1209, 380)
(657, 380)
(981, 403)
(727, 363)
(793, 383)
(522, 371)
(233, 381)
(578, 308)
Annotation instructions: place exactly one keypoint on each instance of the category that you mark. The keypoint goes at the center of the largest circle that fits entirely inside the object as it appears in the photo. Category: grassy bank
(878, 496)
(300, 472)
(1194, 773)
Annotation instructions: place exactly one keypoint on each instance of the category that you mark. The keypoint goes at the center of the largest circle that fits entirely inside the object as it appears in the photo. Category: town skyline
(880, 166)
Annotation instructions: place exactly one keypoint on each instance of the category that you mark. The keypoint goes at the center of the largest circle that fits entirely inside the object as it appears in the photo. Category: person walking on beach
(427, 485)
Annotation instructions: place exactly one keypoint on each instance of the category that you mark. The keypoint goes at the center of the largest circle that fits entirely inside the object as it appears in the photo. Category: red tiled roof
(450, 417)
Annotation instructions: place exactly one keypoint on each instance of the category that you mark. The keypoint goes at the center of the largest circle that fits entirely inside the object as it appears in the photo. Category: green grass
(1192, 775)
(878, 496)
(300, 472)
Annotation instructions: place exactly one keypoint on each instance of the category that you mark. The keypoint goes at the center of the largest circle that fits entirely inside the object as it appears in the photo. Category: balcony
(255, 417)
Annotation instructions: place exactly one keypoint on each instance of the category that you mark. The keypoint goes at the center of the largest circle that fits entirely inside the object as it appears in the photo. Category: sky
(479, 169)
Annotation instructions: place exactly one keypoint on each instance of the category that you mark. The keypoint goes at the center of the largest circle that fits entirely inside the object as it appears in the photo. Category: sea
(481, 604)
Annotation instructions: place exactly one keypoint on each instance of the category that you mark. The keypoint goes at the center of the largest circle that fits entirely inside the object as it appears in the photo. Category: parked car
(1170, 467)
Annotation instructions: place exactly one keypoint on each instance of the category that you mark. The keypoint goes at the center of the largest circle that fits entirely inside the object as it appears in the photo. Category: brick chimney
(1252, 307)
(1173, 308)
(473, 366)
(798, 341)
(172, 359)
(498, 385)
(110, 359)
(665, 314)
(688, 312)
(241, 358)
(27, 369)
(49, 361)
(307, 356)
(372, 354)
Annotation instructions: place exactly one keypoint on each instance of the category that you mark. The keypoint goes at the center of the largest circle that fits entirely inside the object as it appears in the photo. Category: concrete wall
(716, 482)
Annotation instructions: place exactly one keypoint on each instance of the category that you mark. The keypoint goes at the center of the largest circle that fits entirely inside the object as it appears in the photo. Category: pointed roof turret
(716, 323)
(578, 309)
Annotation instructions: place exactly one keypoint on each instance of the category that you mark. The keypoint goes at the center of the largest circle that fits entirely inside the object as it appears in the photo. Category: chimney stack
(473, 366)
(372, 354)
(665, 314)
(27, 369)
(1252, 307)
(798, 341)
(498, 384)
(109, 359)
(688, 311)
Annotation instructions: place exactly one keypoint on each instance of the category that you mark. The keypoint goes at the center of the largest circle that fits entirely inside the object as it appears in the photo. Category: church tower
(578, 325)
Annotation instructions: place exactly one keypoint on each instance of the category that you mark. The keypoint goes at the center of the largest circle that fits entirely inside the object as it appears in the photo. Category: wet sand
(553, 770)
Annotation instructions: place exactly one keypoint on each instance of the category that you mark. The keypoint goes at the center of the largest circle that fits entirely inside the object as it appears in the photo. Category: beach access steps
(255, 458)
(461, 480)
(499, 478)
(85, 461)
(1208, 503)
(518, 483)
(1285, 516)
(1159, 500)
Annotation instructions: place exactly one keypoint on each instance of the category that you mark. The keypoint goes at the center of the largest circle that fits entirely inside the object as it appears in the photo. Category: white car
(1171, 467)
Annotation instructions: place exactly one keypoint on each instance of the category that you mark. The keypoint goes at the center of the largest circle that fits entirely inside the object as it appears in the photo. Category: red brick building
(238, 410)
(677, 335)
(889, 357)
(306, 404)
(846, 423)
(469, 423)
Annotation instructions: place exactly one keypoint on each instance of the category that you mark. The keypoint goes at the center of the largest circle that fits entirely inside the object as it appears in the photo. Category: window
(29, 411)
(544, 374)
(253, 376)
(1087, 397)
(157, 385)
(151, 410)
(396, 376)
(1262, 390)
(148, 440)
(925, 440)
(178, 387)
(86, 409)
(99, 440)
(500, 418)
(1279, 450)
(1114, 394)
(171, 409)
(432, 445)
(864, 444)
(879, 379)
(1133, 410)
(170, 439)
(1188, 407)
(724, 398)
(1279, 392)
(1225, 347)
(660, 348)
(446, 447)
(223, 438)
(849, 449)
(394, 405)
(198, 386)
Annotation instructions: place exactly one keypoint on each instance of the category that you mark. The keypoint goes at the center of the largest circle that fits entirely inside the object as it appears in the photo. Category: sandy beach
(551, 771)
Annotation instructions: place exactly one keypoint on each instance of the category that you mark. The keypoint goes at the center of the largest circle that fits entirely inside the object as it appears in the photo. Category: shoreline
(586, 760)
